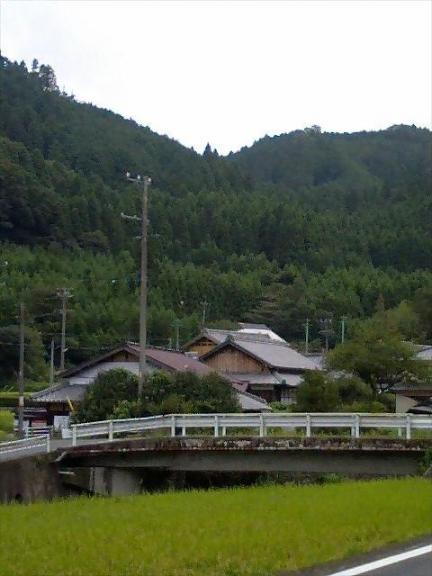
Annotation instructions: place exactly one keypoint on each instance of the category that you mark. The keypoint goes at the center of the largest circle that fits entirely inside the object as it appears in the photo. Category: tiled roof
(425, 353)
(251, 403)
(254, 378)
(160, 358)
(275, 355)
(60, 393)
(173, 360)
(271, 378)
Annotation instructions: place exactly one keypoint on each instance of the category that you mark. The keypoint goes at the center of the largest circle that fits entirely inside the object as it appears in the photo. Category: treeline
(303, 225)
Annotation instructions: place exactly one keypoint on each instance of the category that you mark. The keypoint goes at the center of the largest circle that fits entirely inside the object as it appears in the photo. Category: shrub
(6, 423)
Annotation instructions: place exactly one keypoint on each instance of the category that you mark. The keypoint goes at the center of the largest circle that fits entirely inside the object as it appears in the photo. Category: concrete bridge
(129, 466)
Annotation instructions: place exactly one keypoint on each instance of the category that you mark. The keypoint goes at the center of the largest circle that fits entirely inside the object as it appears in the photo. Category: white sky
(231, 72)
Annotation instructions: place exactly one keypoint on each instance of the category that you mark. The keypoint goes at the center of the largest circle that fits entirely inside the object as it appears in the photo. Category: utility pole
(307, 336)
(21, 374)
(204, 304)
(144, 182)
(52, 363)
(64, 295)
(176, 324)
(343, 319)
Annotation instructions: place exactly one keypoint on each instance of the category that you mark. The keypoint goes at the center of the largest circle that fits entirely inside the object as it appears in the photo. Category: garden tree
(408, 323)
(317, 393)
(208, 393)
(377, 354)
(422, 306)
(105, 393)
(6, 424)
(113, 395)
(322, 392)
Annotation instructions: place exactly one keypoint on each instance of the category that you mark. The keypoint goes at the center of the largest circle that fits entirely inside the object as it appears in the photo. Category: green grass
(244, 531)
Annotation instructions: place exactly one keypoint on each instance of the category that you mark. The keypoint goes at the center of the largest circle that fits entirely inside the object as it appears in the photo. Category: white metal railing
(34, 445)
(259, 424)
(179, 424)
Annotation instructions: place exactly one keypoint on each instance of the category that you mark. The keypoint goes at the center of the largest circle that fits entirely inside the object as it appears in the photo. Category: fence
(179, 424)
(260, 424)
(35, 445)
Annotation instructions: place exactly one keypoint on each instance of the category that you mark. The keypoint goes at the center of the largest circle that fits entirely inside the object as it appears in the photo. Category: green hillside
(302, 224)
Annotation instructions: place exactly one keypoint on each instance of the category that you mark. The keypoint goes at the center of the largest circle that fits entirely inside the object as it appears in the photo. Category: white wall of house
(404, 403)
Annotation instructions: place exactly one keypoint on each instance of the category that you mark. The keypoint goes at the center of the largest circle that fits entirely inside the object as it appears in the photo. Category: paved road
(410, 559)
(398, 565)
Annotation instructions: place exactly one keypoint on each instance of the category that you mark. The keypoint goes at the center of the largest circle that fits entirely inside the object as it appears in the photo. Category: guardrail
(220, 424)
(179, 424)
(35, 445)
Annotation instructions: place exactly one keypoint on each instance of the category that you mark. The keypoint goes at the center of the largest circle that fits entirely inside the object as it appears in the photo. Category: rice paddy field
(258, 531)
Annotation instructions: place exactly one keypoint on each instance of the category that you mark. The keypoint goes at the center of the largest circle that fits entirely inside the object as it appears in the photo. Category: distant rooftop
(275, 354)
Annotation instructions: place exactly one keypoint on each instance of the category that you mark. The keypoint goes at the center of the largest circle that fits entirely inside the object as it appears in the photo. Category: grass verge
(236, 532)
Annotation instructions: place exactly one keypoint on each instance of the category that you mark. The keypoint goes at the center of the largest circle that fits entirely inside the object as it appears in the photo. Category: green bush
(6, 424)
(114, 395)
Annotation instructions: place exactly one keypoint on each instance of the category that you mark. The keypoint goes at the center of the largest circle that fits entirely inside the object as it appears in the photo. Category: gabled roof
(160, 358)
(274, 355)
(173, 360)
(213, 334)
(246, 332)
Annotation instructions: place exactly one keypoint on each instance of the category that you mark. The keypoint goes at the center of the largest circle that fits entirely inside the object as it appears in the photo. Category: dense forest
(302, 225)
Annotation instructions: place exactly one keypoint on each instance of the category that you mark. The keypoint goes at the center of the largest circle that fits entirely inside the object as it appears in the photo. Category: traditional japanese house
(269, 368)
(63, 398)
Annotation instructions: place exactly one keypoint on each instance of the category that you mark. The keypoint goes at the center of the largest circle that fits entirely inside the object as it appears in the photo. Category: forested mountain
(303, 224)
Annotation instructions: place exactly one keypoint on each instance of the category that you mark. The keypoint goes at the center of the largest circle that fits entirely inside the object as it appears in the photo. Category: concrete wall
(29, 479)
(348, 457)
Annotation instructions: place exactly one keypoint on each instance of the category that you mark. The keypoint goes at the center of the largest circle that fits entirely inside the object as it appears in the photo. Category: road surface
(412, 559)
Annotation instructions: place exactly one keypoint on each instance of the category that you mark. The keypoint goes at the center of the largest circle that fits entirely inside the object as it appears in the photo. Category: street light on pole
(143, 182)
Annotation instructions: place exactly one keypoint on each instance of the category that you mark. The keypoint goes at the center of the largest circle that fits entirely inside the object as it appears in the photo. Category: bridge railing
(34, 445)
(179, 424)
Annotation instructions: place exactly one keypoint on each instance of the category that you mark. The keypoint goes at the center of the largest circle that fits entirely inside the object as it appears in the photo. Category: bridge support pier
(104, 481)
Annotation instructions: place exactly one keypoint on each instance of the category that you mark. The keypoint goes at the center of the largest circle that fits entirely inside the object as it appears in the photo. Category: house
(416, 398)
(208, 338)
(61, 399)
(268, 368)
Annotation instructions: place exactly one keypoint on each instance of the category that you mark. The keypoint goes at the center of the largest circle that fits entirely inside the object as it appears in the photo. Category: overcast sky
(230, 72)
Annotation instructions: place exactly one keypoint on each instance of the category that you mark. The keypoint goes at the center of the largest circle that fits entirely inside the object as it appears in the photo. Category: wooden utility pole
(21, 374)
(204, 304)
(176, 325)
(343, 320)
(52, 363)
(64, 295)
(145, 182)
(307, 336)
